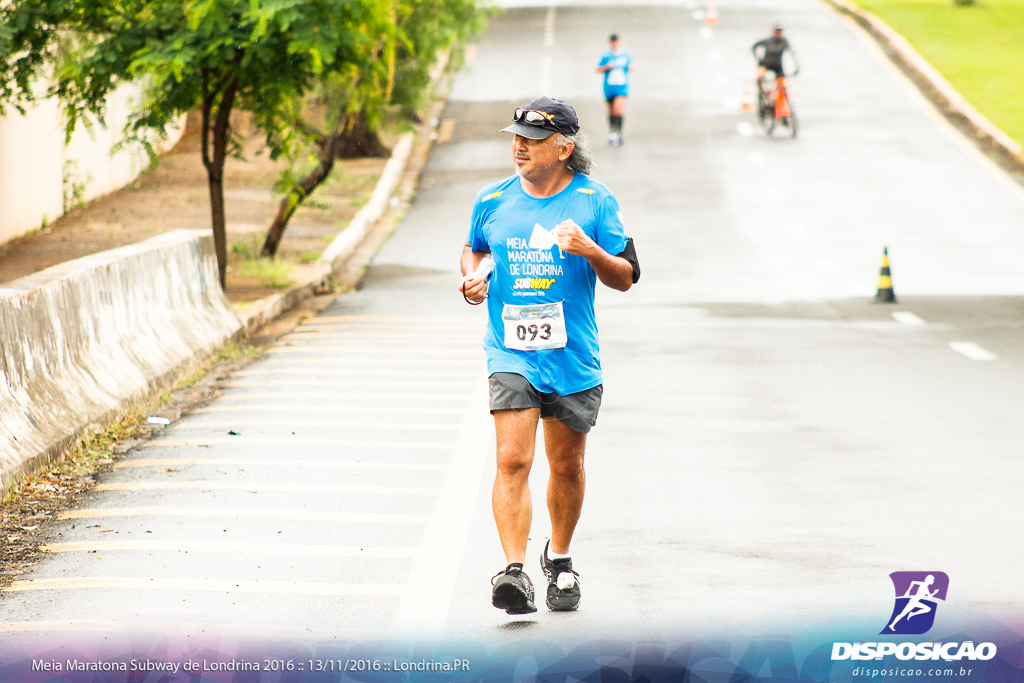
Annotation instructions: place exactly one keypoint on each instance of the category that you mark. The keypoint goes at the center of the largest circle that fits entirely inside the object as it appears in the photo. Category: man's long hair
(582, 158)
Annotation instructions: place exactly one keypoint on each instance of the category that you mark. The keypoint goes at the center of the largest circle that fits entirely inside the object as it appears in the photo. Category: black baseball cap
(558, 117)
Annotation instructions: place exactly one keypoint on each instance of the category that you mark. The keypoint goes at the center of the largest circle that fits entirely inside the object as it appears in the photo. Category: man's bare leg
(566, 486)
(513, 510)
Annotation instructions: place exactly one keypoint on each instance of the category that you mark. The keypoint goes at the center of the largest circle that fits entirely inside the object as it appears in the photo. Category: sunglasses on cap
(533, 118)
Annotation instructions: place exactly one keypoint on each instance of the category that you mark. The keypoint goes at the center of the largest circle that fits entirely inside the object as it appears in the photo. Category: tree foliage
(265, 57)
(217, 56)
(394, 73)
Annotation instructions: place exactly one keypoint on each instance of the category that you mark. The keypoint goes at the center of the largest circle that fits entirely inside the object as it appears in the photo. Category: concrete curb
(936, 88)
(313, 279)
(87, 340)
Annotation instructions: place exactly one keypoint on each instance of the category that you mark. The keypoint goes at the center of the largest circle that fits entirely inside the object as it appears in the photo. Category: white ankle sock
(552, 555)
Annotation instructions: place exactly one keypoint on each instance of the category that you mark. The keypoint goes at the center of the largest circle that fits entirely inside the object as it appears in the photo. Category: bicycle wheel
(790, 121)
(766, 113)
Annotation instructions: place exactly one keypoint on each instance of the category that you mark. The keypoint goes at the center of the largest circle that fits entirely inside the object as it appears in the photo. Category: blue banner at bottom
(988, 651)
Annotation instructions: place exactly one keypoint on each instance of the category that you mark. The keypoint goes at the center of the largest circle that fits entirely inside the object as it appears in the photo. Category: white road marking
(415, 396)
(287, 462)
(715, 55)
(907, 318)
(549, 27)
(744, 129)
(244, 513)
(294, 442)
(320, 407)
(339, 383)
(383, 426)
(393, 337)
(222, 547)
(411, 351)
(707, 33)
(227, 586)
(697, 14)
(366, 367)
(257, 486)
(972, 350)
(165, 628)
(424, 608)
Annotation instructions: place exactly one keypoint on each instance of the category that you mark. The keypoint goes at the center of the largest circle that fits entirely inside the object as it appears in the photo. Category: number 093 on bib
(538, 327)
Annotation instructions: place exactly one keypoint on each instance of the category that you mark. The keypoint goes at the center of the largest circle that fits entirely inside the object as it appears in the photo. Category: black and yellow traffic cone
(885, 295)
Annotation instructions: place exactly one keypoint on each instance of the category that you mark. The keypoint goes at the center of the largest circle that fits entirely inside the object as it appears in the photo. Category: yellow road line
(294, 441)
(320, 407)
(391, 426)
(244, 513)
(225, 586)
(300, 487)
(347, 382)
(237, 548)
(444, 133)
(291, 462)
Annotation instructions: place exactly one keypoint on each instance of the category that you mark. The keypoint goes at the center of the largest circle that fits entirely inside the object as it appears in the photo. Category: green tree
(218, 56)
(393, 73)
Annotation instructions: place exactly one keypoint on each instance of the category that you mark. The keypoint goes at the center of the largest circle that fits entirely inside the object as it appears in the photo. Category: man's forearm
(471, 259)
(613, 271)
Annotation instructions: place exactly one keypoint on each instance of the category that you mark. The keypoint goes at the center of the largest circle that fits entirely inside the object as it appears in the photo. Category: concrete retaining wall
(85, 341)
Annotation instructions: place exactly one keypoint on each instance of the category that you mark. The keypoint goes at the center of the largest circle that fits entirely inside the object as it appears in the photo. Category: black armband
(629, 253)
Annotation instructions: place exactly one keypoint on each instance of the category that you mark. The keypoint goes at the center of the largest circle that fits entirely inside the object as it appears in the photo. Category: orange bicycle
(774, 108)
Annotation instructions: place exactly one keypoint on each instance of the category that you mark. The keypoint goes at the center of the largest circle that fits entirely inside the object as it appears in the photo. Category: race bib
(617, 77)
(539, 327)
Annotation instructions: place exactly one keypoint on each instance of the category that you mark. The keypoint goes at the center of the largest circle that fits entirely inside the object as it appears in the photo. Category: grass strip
(978, 48)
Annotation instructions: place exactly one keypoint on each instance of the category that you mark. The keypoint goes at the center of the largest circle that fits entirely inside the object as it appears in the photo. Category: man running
(915, 606)
(771, 59)
(552, 232)
(615, 64)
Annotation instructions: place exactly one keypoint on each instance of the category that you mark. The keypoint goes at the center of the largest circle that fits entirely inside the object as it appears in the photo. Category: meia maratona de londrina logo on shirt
(918, 596)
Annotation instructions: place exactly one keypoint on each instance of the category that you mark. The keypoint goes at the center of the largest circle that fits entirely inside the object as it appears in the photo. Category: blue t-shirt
(530, 269)
(616, 80)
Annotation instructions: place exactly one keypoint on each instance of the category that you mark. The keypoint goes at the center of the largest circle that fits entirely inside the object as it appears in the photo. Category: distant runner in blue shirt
(551, 233)
(615, 64)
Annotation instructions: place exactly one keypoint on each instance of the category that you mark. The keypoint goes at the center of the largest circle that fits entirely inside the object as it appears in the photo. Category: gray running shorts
(576, 411)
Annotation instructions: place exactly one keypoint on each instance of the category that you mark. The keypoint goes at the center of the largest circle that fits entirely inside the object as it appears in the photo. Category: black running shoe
(563, 583)
(513, 591)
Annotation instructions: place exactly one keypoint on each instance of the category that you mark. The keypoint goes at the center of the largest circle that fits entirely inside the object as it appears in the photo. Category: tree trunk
(299, 192)
(214, 160)
(359, 141)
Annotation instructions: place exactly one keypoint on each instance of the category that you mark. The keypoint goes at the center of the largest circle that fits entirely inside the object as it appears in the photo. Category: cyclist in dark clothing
(771, 58)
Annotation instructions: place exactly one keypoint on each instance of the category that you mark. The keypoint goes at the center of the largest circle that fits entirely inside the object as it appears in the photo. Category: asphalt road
(772, 444)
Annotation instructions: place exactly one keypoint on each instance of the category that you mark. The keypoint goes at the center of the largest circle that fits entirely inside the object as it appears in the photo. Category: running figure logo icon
(917, 597)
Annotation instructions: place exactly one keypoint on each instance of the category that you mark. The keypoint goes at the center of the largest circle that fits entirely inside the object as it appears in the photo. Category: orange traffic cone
(711, 17)
(885, 295)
